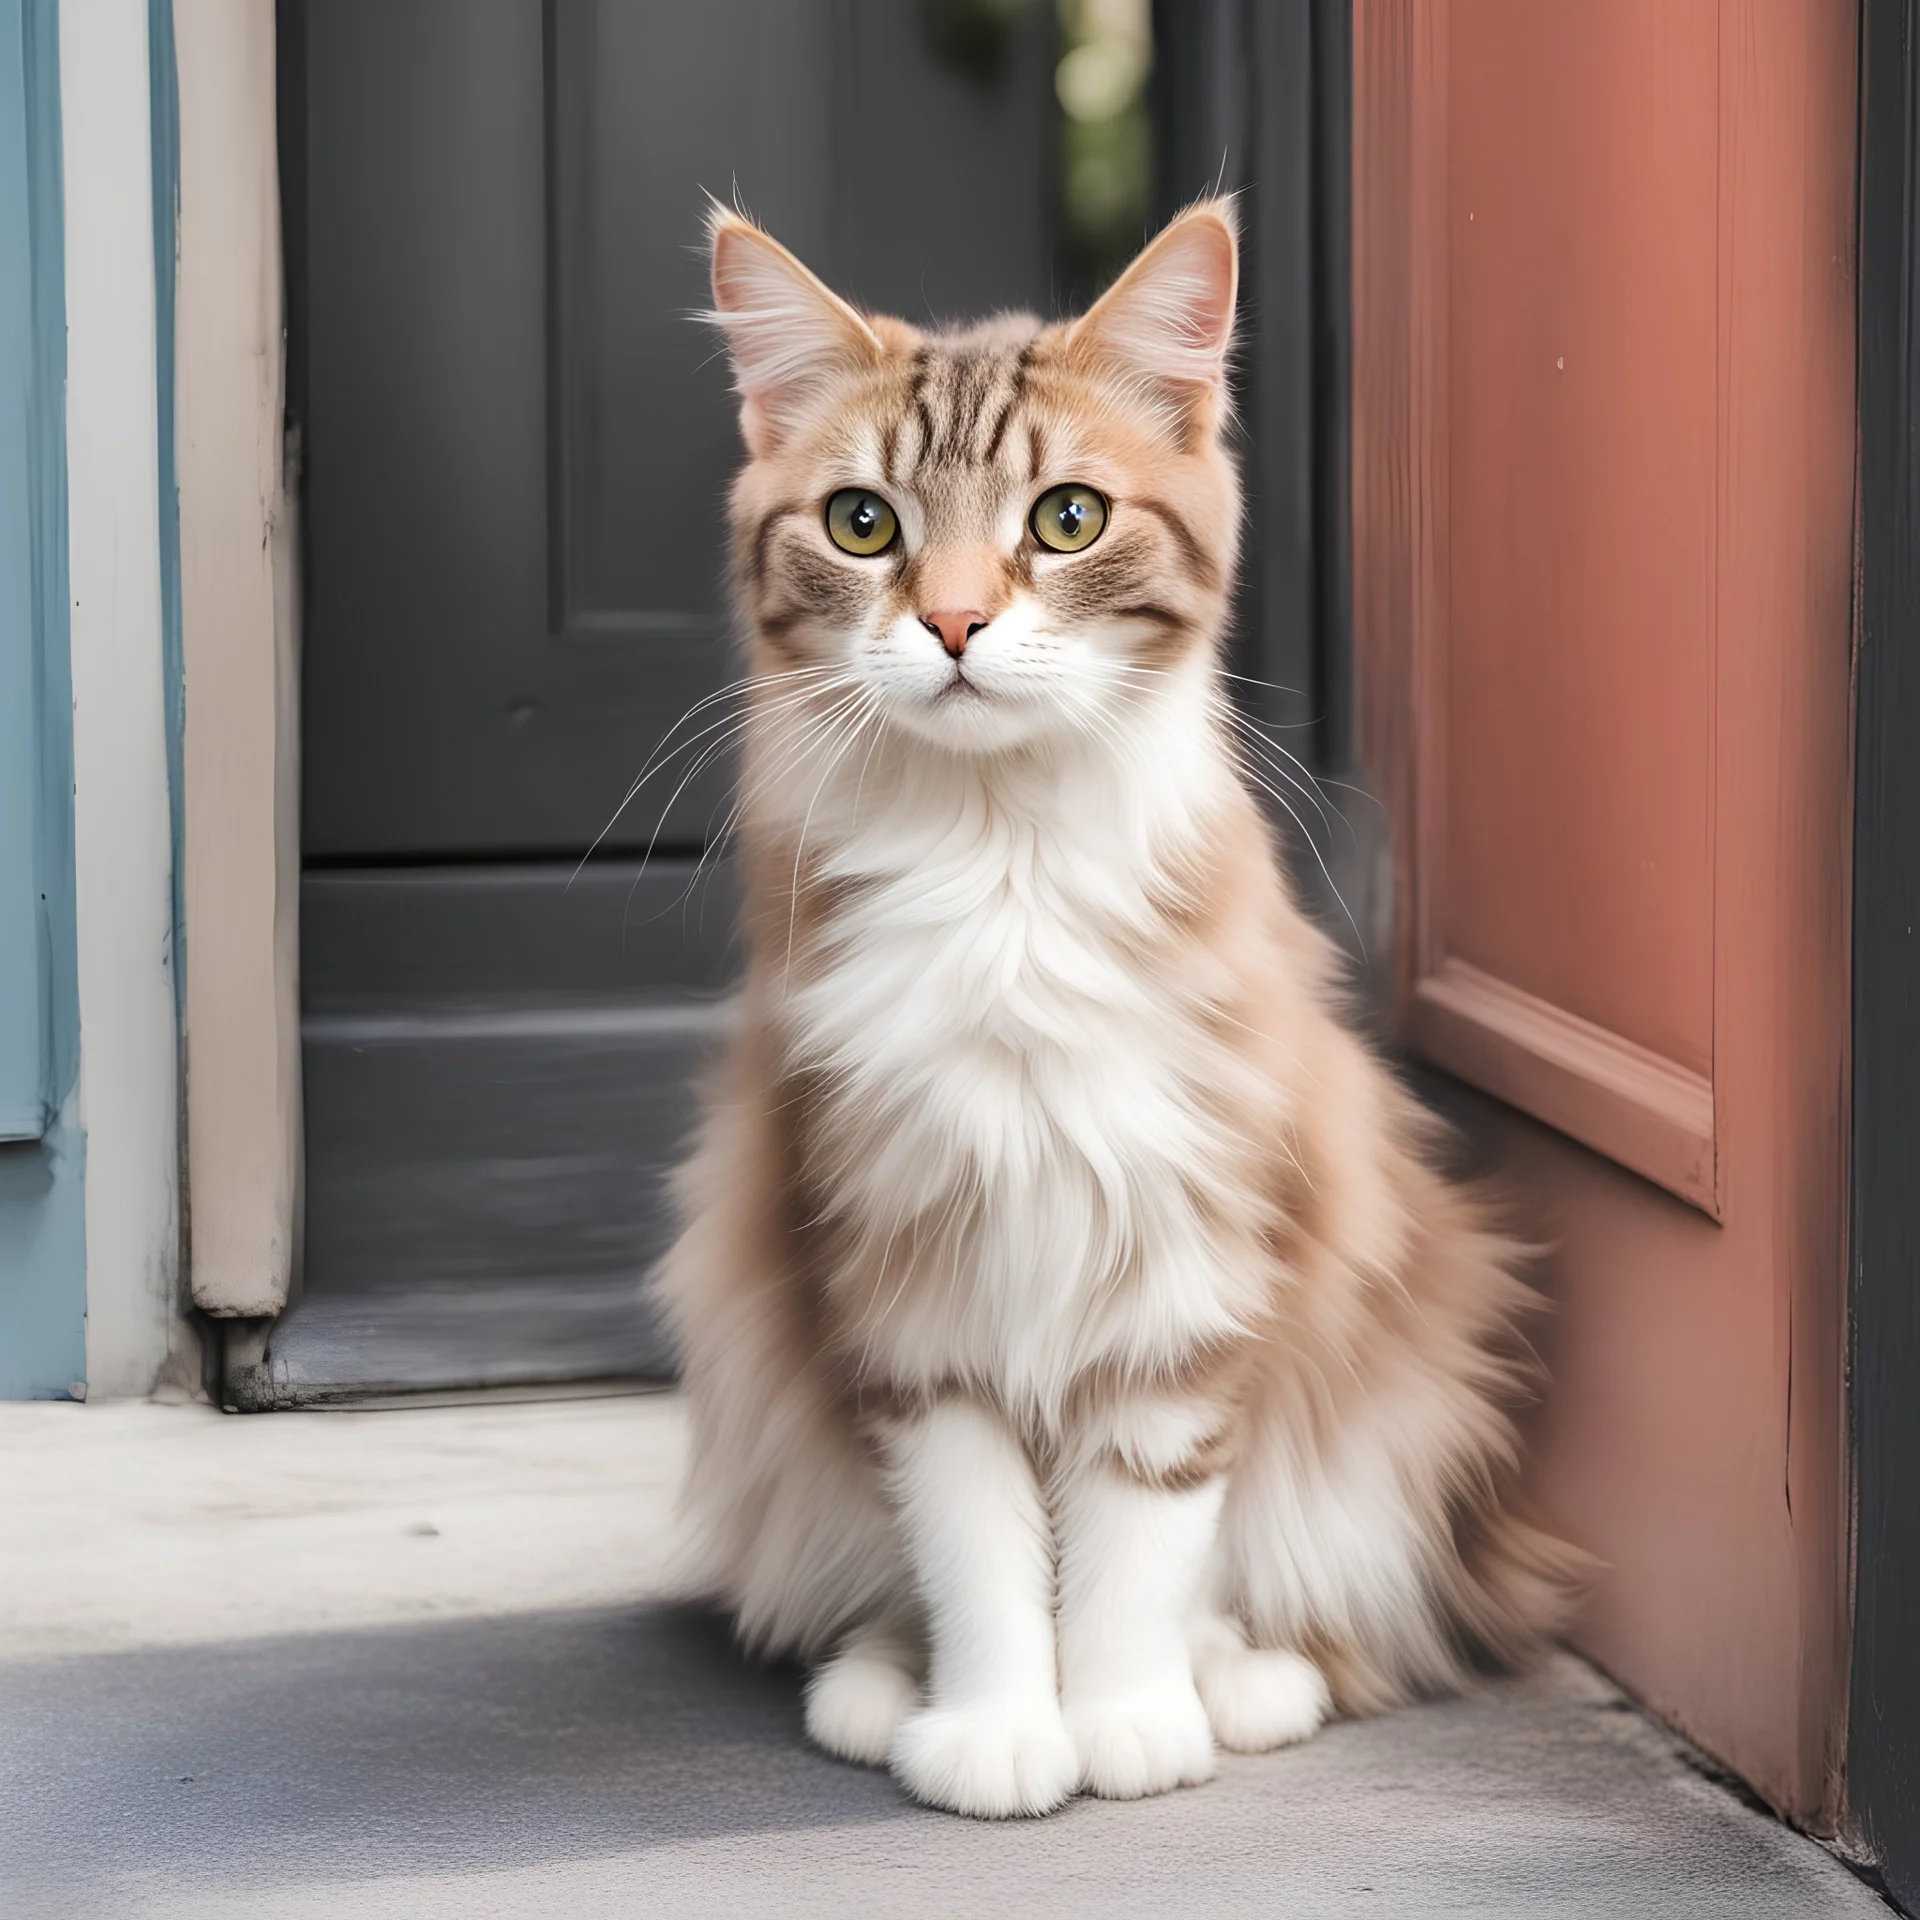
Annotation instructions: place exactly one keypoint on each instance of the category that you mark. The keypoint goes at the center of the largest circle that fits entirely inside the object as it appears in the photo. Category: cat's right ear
(788, 332)
(1166, 325)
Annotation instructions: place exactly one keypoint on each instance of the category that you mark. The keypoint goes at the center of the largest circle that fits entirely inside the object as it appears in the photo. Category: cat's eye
(1068, 519)
(860, 522)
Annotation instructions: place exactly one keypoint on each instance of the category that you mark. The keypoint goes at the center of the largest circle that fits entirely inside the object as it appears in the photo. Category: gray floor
(627, 1762)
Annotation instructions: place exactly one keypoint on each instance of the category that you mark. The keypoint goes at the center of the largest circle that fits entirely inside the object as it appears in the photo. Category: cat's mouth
(959, 687)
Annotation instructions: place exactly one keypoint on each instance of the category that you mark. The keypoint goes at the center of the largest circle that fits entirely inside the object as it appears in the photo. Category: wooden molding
(239, 611)
(1384, 488)
(1622, 1099)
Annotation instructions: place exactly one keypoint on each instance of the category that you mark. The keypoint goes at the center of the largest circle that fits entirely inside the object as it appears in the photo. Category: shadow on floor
(411, 1749)
(631, 1762)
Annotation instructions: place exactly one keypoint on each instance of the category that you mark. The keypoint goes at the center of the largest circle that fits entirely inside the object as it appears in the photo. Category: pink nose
(954, 629)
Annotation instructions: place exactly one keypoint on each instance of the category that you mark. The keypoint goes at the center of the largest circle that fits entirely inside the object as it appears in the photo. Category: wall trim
(238, 606)
(164, 88)
(1883, 1751)
(123, 854)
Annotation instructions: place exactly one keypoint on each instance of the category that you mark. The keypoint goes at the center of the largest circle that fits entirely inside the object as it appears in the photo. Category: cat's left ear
(1167, 322)
(789, 333)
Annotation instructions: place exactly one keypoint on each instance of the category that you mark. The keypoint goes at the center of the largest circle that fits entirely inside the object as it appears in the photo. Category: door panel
(1564, 644)
(502, 208)
(642, 114)
(1603, 471)
(1581, 428)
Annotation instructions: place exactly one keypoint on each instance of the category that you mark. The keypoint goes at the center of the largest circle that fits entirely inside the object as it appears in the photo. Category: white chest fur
(1014, 1074)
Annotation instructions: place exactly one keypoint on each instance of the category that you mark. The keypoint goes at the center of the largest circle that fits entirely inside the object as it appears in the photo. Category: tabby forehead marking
(922, 413)
(1016, 386)
(962, 401)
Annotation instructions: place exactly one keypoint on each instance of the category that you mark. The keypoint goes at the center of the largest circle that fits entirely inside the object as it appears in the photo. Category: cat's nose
(954, 629)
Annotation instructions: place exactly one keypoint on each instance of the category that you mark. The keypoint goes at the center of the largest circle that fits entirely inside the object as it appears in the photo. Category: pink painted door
(1603, 479)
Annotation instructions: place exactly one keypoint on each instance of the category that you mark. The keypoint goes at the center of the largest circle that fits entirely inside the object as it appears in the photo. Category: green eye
(860, 522)
(1068, 519)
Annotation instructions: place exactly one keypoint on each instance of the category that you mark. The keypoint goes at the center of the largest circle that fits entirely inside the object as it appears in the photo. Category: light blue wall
(25, 1049)
(42, 1216)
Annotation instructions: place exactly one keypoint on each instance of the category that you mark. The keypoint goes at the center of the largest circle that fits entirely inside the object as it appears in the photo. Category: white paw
(1146, 1741)
(855, 1703)
(993, 1760)
(1259, 1699)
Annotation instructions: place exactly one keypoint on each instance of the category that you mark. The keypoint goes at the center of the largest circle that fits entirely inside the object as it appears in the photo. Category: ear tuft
(788, 332)
(1167, 322)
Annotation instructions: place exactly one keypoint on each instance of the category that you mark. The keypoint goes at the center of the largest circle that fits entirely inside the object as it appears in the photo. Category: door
(519, 438)
(1603, 475)
(516, 443)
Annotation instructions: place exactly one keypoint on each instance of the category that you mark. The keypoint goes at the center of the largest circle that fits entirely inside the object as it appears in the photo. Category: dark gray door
(518, 439)
(516, 444)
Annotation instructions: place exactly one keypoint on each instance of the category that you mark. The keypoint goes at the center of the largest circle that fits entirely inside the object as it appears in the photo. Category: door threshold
(508, 1394)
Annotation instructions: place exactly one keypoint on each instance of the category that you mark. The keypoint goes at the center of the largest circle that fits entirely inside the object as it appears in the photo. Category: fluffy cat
(1087, 1364)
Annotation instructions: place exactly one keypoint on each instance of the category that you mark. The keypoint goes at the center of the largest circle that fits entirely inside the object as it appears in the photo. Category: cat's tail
(1376, 1520)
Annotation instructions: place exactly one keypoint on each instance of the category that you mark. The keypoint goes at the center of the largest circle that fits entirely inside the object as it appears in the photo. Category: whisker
(1243, 679)
(1326, 873)
(1279, 761)
(790, 754)
(734, 689)
(739, 725)
(861, 717)
(1265, 752)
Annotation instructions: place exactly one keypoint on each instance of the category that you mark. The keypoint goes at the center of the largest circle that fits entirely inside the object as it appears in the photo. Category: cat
(1088, 1367)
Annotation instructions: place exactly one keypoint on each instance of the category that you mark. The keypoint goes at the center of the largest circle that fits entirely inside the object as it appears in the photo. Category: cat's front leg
(989, 1740)
(1137, 1505)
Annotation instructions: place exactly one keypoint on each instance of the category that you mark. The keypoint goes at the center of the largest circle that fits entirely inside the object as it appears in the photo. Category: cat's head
(996, 534)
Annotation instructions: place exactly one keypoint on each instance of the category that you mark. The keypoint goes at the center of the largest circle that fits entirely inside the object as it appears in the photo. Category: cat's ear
(789, 333)
(1166, 324)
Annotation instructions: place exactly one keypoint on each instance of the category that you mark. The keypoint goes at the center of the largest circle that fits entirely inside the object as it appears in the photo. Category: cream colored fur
(1088, 1365)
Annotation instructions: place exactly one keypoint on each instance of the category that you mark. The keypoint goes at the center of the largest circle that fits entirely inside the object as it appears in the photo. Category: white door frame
(239, 611)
